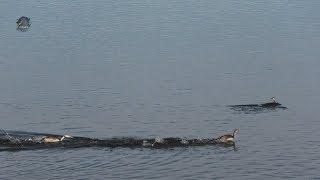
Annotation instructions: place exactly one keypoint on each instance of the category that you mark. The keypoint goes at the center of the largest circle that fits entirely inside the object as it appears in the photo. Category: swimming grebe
(228, 137)
(272, 104)
(55, 139)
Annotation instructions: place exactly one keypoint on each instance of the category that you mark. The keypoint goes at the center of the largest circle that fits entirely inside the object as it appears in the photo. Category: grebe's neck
(65, 136)
(62, 138)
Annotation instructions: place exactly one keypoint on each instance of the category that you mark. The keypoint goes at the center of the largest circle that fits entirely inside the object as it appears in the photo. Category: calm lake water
(162, 69)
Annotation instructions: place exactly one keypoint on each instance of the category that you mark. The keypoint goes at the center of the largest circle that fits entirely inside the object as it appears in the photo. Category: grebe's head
(273, 99)
(234, 132)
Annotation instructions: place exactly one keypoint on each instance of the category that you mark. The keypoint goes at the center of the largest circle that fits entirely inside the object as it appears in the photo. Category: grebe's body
(23, 23)
(54, 139)
(227, 138)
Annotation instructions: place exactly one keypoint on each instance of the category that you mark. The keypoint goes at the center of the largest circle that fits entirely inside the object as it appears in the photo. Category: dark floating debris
(247, 108)
(16, 140)
(23, 23)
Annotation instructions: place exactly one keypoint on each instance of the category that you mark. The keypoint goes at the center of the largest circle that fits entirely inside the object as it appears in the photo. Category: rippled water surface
(149, 69)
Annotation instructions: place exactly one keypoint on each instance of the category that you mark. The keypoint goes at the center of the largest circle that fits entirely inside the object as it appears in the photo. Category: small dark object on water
(23, 23)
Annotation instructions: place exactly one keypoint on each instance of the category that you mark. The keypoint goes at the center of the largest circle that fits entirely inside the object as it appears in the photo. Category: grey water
(149, 69)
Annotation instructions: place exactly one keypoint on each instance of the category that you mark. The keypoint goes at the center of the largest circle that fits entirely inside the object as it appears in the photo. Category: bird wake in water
(256, 108)
(18, 140)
